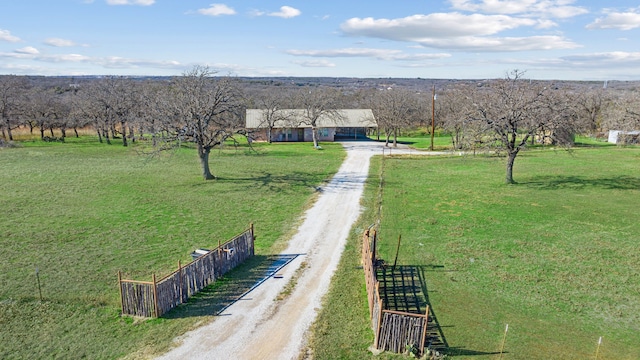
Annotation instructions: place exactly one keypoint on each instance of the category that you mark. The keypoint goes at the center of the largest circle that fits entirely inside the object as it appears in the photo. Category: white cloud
(380, 54)
(57, 42)
(315, 63)
(617, 20)
(28, 50)
(437, 25)
(457, 32)
(614, 58)
(131, 2)
(30, 53)
(217, 10)
(547, 8)
(286, 12)
(5, 35)
(501, 44)
(256, 12)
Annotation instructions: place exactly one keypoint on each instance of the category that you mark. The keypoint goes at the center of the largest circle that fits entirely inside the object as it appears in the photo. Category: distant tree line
(503, 115)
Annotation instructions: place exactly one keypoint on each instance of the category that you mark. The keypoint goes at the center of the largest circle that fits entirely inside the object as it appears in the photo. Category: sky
(444, 39)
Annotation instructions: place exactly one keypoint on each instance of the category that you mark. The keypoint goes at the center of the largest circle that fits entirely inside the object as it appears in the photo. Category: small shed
(624, 137)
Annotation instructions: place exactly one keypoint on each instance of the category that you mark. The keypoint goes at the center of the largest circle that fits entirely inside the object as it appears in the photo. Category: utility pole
(433, 114)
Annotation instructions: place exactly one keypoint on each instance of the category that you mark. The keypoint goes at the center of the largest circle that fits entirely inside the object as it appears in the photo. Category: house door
(301, 134)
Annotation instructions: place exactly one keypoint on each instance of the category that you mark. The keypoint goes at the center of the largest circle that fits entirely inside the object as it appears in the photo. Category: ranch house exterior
(290, 126)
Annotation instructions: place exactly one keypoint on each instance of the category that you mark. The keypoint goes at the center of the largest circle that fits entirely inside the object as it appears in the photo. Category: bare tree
(515, 110)
(590, 104)
(12, 90)
(395, 109)
(208, 111)
(317, 104)
(118, 97)
(274, 110)
(624, 112)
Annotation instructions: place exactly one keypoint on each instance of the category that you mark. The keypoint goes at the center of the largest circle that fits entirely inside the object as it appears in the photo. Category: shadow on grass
(234, 286)
(405, 289)
(580, 182)
(270, 182)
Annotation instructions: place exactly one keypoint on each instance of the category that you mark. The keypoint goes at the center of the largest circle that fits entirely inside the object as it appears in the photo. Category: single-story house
(291, 126)
(624, 137)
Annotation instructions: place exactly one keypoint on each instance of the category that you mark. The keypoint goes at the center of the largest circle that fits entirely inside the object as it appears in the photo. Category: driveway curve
(259, 327)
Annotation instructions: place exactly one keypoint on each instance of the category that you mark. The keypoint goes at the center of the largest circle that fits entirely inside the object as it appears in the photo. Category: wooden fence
(156, 297)
(393, 330)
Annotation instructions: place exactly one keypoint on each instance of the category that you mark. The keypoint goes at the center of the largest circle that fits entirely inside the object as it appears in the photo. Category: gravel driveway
(257, 326)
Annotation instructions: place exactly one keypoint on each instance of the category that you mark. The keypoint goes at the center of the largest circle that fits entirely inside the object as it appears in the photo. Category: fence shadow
(235, 286)
(579, 182)
(405, 289)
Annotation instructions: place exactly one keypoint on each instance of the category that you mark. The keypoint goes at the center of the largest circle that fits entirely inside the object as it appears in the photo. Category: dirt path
(257, 326)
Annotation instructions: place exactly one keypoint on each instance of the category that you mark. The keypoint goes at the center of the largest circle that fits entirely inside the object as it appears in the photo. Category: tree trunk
(314, 135)
(510, 160)
(75, 130)
(51, 131)
(123, 127)
(203, 153)
(269, 134)
(41, 132)
(9, 130)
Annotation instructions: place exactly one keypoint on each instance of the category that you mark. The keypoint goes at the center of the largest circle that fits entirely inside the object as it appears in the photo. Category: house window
(323, 132)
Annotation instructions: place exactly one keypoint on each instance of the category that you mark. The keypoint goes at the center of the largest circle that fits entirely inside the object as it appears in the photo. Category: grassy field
(81, 211)
(554, 256)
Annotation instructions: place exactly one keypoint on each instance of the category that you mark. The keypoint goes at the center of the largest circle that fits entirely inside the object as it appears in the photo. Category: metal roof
(348, 118)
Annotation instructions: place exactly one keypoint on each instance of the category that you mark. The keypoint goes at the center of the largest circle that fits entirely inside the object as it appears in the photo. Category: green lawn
(82, 211)
(554, 256)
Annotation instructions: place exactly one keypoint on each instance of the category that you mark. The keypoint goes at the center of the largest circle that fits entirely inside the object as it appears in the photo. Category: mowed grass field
(554, 256)
(80, 212)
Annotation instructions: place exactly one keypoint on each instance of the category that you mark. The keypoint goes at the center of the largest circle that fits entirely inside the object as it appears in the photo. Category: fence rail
(393, 330)
(155, 298)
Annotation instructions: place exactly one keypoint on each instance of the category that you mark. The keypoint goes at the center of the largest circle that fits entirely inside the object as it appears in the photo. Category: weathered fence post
(155, 297)
(180, 282)
(121, 293)
(379, 316)
(424, 331)
(373, 247)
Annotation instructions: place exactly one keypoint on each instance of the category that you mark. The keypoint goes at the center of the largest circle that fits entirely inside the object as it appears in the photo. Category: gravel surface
(259, 327)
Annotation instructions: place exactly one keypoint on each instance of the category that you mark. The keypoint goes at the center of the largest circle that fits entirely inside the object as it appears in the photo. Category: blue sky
(549, 39)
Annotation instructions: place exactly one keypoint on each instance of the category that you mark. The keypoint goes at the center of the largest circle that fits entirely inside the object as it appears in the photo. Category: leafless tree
(207, 110)
(118, 96)
(395, 109)
(318, 103)
(88, 104)
(624, 112)
(590, 104)
(453, 107)
(275, 106)
(516, 109)
(12, 90)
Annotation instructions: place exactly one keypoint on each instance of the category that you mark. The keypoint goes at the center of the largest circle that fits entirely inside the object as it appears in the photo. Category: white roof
(348, 118)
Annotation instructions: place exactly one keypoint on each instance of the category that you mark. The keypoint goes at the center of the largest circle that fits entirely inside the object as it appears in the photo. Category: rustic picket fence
(393, 330)
(155, 298)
